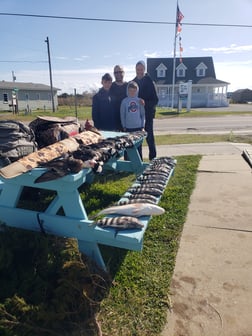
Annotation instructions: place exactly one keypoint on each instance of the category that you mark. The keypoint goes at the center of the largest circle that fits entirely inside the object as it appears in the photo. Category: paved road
(221, 124)
(215, 124)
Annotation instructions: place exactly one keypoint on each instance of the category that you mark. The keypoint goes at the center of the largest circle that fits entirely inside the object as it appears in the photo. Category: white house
(207, 91)
(27, 96)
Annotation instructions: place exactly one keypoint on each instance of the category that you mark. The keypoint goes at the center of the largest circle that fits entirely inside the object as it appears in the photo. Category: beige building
(27, 96)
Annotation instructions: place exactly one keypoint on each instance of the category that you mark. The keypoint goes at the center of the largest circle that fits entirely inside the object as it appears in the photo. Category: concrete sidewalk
(217, 148)
(211, 290)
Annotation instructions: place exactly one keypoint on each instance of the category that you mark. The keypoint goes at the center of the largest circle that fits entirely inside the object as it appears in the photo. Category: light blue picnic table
(74, 223)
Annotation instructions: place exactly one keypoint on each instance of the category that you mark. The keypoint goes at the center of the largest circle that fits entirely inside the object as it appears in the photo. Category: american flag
(180, 16)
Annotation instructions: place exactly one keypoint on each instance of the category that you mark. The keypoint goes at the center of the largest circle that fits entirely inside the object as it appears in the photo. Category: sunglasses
(118, 72)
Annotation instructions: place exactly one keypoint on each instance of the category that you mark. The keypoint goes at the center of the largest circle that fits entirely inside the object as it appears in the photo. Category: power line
(22, 61)
(125, 21)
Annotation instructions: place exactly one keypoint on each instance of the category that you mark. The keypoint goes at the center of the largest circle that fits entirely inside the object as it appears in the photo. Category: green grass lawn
(84, 113)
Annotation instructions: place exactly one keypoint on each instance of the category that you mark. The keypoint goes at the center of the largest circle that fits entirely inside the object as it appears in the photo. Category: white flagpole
(174, 58)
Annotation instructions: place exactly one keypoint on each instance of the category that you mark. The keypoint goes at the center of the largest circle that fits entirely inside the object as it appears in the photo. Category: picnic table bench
(75, 222)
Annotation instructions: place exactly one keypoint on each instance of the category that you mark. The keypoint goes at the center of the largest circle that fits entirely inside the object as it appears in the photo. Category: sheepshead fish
(119, 223)
(156, 172)
(148, 184)
(142, 196)
(145, 190)
(136, 200)
(153, 178)
(136, 210)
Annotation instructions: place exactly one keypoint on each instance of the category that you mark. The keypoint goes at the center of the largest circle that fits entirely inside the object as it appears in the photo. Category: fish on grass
(135, 209)
(119, 223)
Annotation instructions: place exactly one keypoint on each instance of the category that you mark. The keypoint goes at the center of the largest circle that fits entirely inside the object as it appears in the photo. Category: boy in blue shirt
(132, 111)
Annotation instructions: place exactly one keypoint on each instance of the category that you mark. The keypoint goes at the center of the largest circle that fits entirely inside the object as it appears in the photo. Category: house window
(181, 72)
(161, 73)
(201, 72)
(5, 98)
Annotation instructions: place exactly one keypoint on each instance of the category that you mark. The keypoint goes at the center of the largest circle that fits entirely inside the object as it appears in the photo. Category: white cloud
(237, 73)
(152, 55)
(232, 49)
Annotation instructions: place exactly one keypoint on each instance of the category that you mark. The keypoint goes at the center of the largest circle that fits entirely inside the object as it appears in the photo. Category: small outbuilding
(242, 96)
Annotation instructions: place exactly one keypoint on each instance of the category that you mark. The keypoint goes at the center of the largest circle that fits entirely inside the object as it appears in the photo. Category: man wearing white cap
(147, 92)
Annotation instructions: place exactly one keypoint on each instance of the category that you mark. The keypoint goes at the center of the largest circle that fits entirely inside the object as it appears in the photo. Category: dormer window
(201, 70)
(181, 70)
(161, 71)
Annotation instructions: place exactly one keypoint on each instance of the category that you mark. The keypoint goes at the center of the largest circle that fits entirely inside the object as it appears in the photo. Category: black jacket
(103, 111)
(148, 93)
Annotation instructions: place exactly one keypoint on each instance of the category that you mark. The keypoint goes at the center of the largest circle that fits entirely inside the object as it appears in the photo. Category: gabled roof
(191, 64)
(25, 86)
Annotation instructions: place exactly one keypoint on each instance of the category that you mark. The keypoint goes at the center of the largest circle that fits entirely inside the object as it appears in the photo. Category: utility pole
(13, 76)
(75, 104)
(50, 72)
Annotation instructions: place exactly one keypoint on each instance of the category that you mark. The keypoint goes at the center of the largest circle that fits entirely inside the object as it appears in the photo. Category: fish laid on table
(146, 197)
(136, 210)
(119, 223)
(155, 172)
(145, 190)
(154, 178)
(150, 185)
(62, 167)
(136, 200)
(164, 160)
(158, 169)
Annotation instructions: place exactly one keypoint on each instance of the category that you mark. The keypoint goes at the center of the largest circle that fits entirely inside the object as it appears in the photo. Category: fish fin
(92, 224)
(98, 214)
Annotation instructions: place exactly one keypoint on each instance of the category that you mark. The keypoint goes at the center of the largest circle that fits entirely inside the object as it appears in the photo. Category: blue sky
(82, 51)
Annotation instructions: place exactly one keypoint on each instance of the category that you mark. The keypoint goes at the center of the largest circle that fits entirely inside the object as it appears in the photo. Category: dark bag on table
(16, 140)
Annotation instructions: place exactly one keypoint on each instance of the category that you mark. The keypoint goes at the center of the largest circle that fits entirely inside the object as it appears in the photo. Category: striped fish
(119, 223)
(145, 190)
(153, 178)
(142, 196)
(136, 210)
(150, 185)
(136, 200)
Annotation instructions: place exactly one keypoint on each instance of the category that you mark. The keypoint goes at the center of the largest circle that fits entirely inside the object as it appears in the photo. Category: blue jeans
(150, 138)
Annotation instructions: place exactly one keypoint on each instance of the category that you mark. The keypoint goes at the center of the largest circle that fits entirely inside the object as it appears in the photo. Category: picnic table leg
(10, 194)
(71, 203)
(134, 163)
(91, 249)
